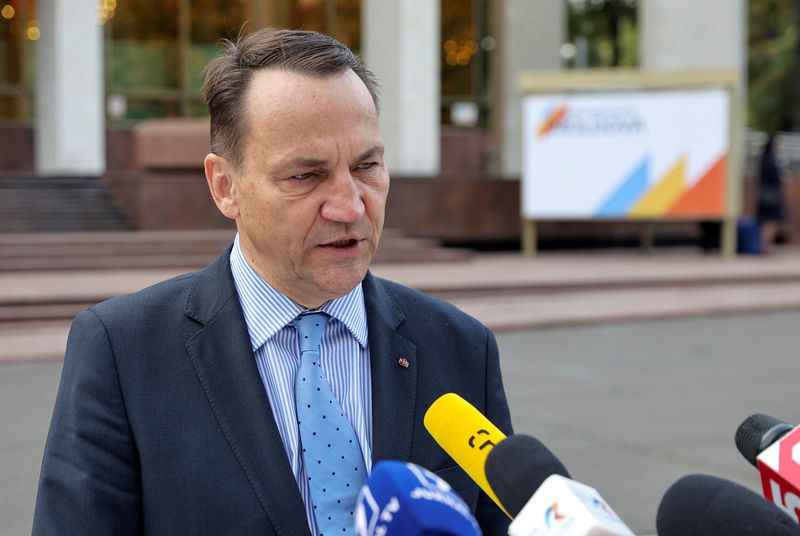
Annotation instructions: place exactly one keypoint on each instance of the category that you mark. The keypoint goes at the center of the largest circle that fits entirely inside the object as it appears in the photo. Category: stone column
(70, 122)
(529, 36)
(687, 34)
(401, 45)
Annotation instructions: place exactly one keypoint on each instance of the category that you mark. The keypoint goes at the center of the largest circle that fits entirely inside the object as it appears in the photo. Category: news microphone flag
(403, 499)
(466, 435)
(778, 462)
(701, 505)
(565, 507)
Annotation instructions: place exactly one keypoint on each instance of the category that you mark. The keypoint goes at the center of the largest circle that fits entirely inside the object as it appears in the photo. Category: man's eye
(366, 165)
(302, 176)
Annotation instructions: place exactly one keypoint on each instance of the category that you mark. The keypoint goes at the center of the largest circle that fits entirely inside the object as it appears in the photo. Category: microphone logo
(789, 461)
(552, 514)
(780, 473)
(603, 507)
(474, 438)
(367, 512)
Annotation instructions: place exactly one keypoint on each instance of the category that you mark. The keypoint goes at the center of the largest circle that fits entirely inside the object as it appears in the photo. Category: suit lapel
(394, 385)
(223, 360)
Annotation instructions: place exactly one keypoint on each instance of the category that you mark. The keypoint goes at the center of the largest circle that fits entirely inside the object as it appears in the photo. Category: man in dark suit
(176, 411)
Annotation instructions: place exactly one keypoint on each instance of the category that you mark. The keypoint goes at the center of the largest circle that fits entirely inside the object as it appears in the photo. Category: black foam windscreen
(758, 432)
(517, 466)
(702, 505)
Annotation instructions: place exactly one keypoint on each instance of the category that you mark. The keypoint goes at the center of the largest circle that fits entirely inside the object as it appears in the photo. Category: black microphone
(772, 446)
(535, 488)
(758, 432)
(516, 468)
(702, 505)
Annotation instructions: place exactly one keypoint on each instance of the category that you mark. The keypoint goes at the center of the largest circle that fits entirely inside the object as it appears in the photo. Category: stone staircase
(59, 226)
(72, 223)
(134, 255)
(37, 204)
(168, 249)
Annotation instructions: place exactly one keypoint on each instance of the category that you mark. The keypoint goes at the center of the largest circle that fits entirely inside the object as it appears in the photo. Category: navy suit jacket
(162, 425)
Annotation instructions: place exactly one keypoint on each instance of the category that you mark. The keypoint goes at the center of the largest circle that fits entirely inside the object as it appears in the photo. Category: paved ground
(630, 408)
(634, 370)
(27, 393)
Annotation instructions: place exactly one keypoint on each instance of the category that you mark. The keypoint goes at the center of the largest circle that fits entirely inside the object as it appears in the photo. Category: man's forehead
(291, 84)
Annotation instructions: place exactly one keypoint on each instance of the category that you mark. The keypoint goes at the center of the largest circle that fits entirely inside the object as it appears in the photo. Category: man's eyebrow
(372, 151)
(377, 150)
(304, 163)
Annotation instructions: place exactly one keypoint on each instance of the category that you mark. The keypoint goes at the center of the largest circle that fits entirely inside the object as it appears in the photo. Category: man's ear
(219, 175)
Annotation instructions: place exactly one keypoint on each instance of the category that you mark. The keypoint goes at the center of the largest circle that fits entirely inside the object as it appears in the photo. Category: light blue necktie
(331, 452)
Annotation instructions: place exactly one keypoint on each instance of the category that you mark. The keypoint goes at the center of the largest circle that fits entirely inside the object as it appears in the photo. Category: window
(155, 52)
(19, 30)
(465, 49)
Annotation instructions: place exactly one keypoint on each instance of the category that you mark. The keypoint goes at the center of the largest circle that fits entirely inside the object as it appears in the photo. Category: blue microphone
(404, 499)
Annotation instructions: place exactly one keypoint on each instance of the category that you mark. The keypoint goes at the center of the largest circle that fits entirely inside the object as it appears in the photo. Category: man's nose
(343, 201)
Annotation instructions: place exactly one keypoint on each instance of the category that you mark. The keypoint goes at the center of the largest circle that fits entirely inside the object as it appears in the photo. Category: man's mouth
(341, 243)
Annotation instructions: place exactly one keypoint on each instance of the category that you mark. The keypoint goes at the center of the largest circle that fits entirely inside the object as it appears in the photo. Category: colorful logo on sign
(670, 195)
(552, 514)
(552, 120)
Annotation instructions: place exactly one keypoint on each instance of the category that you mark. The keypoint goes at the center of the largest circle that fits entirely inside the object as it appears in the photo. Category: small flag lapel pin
(403, 362)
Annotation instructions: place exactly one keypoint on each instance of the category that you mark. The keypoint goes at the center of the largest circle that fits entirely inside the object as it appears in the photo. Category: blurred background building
(100, 100)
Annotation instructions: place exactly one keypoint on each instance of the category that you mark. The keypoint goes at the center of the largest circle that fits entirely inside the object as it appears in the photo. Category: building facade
(77, 77)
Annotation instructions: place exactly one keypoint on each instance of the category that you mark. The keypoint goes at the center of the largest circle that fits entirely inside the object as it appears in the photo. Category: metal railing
(787, 150)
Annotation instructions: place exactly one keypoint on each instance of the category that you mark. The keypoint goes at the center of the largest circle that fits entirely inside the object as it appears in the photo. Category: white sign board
(625, 155)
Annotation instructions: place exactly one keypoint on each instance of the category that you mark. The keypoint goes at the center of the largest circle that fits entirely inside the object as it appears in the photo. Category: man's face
(311, 191)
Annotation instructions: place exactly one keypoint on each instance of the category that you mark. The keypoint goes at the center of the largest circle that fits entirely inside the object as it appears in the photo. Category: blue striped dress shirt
(344, 359)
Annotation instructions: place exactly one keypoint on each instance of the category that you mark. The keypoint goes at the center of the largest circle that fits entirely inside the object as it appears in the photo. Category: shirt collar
(267, 311)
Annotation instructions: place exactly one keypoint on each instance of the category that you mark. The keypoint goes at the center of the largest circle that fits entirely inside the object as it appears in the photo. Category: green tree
(609, 27)
(774, 65)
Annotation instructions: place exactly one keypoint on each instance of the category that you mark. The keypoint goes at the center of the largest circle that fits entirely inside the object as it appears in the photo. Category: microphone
(466, 435)
(535, 487)
(404, 499)
(517, 467)
(700, 505)
(774, 447)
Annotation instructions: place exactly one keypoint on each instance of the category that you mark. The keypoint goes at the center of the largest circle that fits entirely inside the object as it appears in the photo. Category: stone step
(29, 225)
(170, 249)
(35, 312)
(34, 204)
(188, 261)
(98, 244)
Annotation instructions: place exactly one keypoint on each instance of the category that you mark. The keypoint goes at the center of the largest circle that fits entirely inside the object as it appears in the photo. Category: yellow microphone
(466, 435)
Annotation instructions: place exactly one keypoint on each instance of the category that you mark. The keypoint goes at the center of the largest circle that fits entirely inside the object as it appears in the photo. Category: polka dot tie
(331, 452)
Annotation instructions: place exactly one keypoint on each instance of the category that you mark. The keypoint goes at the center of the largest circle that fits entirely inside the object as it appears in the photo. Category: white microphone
(536, 490)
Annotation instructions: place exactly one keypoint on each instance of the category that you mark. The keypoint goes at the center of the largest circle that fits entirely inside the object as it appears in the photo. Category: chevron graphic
(707, 197)
(631, 189)
(666, 192)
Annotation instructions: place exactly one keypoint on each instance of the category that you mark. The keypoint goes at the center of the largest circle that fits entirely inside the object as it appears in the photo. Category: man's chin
(340, 281)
